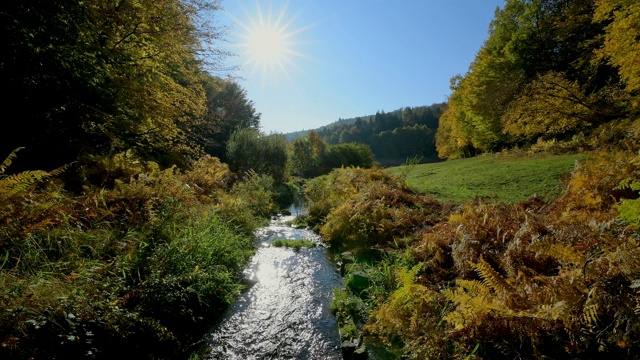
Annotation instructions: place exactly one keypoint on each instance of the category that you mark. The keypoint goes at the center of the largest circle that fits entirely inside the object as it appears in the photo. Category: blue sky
(348, 58)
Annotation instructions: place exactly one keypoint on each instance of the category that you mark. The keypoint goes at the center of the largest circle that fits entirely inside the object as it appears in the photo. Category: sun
(269, 43)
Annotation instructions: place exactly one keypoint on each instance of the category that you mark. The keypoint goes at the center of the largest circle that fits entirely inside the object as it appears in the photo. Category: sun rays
(268, 43)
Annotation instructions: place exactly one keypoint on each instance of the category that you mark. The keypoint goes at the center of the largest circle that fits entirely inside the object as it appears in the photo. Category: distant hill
(394, 136)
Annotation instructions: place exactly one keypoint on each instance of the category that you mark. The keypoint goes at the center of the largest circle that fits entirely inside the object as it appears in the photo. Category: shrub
(368, 207)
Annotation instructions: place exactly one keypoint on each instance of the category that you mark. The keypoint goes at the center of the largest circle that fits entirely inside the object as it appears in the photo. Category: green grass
(293, 243)
(509, 178)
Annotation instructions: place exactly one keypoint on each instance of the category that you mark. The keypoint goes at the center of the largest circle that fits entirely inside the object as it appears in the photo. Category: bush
(368, 207)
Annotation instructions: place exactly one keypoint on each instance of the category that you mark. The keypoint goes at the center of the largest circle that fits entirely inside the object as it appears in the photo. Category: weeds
(294, 244)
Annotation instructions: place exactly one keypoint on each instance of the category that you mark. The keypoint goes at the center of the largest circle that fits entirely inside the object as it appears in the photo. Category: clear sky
(307, 63)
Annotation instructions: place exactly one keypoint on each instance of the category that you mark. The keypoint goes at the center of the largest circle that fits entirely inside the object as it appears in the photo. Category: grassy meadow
(510, 178)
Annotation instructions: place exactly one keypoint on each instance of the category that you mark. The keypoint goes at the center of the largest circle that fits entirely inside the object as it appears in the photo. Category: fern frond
(551, 311)
(590, 310)
(406, 277)
(473, 302)
(627, 256)
(7, 162)
(491, 277)
(628, 184)
(563, 252)
(15, 183)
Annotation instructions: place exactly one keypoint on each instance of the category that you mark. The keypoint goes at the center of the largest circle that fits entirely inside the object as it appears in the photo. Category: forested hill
(393, 136)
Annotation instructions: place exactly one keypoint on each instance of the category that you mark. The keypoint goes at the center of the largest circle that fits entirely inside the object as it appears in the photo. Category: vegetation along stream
(284, 313)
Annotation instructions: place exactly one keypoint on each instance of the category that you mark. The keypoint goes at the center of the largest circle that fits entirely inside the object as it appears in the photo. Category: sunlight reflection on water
(284, 313)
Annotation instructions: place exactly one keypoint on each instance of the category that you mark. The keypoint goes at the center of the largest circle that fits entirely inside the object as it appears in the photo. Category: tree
(537, 61)
(102, 77)
(248, 150)
(551, 105)
(306, 155)
(228, 109)
(345, 155)
(622, 39)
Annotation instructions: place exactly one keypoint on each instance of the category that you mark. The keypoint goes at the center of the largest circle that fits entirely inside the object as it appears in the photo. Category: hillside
(510, 178)
(393, 136)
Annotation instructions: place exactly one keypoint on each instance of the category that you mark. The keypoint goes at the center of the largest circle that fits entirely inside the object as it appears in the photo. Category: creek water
(284, 312)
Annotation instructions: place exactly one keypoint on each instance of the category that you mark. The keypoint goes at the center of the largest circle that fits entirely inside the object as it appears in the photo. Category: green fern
(406, 277)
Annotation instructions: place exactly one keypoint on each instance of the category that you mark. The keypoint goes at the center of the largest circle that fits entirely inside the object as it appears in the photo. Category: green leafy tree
(228, 109)
(306, 155)
(345, 155)
(250, 152)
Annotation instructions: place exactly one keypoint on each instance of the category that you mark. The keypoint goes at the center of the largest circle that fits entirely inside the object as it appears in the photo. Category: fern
(473, 302)
(590, 309)
(7, 162)
(15, 183)
(565, 253)
(491, 277)
(406, 277)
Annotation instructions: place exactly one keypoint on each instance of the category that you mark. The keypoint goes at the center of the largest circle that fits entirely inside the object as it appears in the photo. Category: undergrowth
(531, 280)
(138, 265)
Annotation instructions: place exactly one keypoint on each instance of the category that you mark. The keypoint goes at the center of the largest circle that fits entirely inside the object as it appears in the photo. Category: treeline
(550, 71)
(392, 136)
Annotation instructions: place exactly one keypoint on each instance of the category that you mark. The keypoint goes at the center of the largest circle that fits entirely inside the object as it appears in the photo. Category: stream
(284, 312)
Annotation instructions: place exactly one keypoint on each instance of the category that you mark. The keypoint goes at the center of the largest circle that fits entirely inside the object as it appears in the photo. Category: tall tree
(102, 76)
(228, 109)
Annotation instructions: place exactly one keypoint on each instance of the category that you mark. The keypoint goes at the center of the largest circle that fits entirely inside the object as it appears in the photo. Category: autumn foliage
(496, 280)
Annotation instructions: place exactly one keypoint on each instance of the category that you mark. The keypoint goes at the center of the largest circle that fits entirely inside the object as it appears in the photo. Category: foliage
(351, 312)
(93, 79)
(412, 314)
(248, 150)
(621, 44)
(346, 155)
(228, 109)
(550, 106)
(532, 279)
(311, 157)
(378, 214)
(392, 136)
(351, 192)
(306, 155)
(139, 268)
(542, 72)
(250, 198)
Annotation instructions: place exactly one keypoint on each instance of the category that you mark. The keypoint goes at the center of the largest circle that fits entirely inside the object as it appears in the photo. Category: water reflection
(284, 314)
